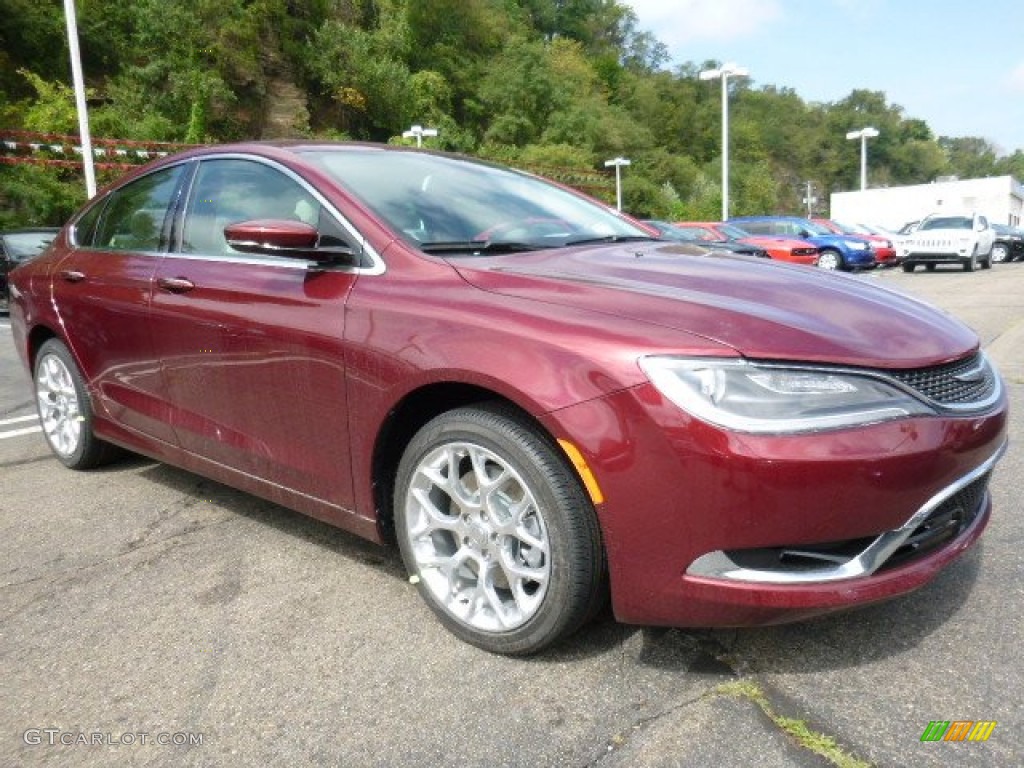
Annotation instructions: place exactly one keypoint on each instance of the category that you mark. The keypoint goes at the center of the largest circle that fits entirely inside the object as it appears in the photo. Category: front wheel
(497, 532)
(65, 409)
(829, 259)
(1000, 253)
(972, 263)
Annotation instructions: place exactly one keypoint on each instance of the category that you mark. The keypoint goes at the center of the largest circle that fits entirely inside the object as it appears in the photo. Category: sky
(958, 66)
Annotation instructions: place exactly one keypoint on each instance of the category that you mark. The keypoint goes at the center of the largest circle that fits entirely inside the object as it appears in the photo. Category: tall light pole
(724, 72)
(419, 132)
(83, 114)
(863, 134)
(618, 162)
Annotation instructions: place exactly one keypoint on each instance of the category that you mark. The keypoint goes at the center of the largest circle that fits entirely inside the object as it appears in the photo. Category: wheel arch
(35, 339)
(409, 415)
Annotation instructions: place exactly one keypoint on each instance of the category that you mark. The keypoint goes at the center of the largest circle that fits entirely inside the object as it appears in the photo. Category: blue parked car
(837, 251)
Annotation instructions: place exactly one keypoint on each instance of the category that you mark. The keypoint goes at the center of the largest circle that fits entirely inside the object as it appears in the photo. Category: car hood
(761, 310)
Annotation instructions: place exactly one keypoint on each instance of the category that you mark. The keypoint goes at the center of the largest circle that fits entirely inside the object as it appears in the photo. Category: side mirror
(281, 237)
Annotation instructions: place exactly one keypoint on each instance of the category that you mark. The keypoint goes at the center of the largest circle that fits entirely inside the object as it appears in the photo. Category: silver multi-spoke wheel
(497, 531)
(65, 410)
(478, 537)
(58, 405)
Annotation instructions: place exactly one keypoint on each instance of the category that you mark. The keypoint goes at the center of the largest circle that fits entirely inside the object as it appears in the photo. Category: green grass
(816, 742)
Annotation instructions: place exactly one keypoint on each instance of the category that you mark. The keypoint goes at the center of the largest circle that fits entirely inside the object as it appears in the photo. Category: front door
(251, 345)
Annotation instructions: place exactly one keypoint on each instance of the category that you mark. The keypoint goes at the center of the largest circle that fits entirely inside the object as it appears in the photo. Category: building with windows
(999, 198)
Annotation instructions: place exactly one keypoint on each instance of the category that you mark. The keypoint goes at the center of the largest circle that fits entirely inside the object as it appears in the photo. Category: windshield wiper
(478, 246)
(611, 239)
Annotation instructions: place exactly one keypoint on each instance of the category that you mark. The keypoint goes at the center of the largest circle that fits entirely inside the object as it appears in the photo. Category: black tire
(907, 267)
(930, 267)
(65, 410)
(972, 263)
(472, 557)
(1000, 253)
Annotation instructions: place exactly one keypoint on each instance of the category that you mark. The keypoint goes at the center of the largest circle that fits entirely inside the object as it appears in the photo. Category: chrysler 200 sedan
(542, 406)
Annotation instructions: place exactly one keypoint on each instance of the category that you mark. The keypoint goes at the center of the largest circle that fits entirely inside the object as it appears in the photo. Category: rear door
(103, 289)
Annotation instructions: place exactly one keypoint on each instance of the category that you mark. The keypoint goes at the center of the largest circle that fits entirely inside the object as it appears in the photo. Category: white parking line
(18, 419)
(20, 432)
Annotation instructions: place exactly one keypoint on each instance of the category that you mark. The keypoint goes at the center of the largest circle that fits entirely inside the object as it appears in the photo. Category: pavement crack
(796, 729)
(620, 739)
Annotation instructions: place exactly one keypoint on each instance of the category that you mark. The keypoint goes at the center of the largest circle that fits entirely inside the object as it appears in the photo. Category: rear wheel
(907, 267)
(65, 409)
(497, 532)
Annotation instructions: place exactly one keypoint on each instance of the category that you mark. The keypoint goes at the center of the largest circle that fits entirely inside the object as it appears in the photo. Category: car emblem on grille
(973, 376)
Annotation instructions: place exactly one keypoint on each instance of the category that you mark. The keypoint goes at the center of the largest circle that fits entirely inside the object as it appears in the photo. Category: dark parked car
(683, 235)
(16, 246)
(540, 417)
(846, 252)
(1008, 245)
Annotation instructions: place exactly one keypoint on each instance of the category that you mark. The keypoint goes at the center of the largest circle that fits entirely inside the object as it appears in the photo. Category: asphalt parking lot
(150, 617)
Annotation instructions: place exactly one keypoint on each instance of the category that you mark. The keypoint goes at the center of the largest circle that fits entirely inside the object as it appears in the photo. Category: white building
(1000, 198)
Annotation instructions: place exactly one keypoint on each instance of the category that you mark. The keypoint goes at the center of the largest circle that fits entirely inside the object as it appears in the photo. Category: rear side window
(133, 218)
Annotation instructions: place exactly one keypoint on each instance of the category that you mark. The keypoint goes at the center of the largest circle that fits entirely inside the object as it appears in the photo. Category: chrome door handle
(72, 275)
(175, 284)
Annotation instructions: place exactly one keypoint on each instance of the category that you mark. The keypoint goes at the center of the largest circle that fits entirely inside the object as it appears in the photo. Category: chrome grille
(966, 381)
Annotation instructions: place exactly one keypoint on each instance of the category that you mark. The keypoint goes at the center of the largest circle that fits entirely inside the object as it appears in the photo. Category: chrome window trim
(377, 265)
(718, 565)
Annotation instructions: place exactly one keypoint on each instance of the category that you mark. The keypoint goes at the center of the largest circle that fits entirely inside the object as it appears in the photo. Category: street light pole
(80, 104)
(419, 132)
(863, 134)
(618, 162)
(724, 72)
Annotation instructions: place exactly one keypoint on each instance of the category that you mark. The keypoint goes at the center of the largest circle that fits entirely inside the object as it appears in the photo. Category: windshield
(817, 229)
(446, 204)
(22, 246)
(731, 232)
(948, 222)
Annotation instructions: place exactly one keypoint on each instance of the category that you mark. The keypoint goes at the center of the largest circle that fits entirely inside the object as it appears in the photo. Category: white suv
(965, 239)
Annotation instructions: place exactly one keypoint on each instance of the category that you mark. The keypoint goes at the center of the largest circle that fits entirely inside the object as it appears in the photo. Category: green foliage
(53, 108)
(37, 196)
(556, 86)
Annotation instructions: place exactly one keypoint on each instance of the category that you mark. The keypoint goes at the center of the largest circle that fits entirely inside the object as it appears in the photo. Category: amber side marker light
(589, 481)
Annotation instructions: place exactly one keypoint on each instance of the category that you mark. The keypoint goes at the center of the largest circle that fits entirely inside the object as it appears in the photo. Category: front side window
(134, 216)
(228, 190)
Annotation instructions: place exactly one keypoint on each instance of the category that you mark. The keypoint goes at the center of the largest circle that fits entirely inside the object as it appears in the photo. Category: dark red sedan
(401, 343)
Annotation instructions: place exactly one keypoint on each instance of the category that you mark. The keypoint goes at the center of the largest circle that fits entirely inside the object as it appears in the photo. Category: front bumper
(679, 493)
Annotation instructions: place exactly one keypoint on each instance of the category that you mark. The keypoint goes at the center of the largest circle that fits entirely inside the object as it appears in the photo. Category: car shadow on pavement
(385, 559)
(835, 641)
(855, 637)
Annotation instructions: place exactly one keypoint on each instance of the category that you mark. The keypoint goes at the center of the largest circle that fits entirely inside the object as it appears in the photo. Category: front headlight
(748, 397)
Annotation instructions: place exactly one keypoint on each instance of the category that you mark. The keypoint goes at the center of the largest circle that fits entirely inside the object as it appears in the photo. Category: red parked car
(538, 418)
(885, 250)
(779, 248)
